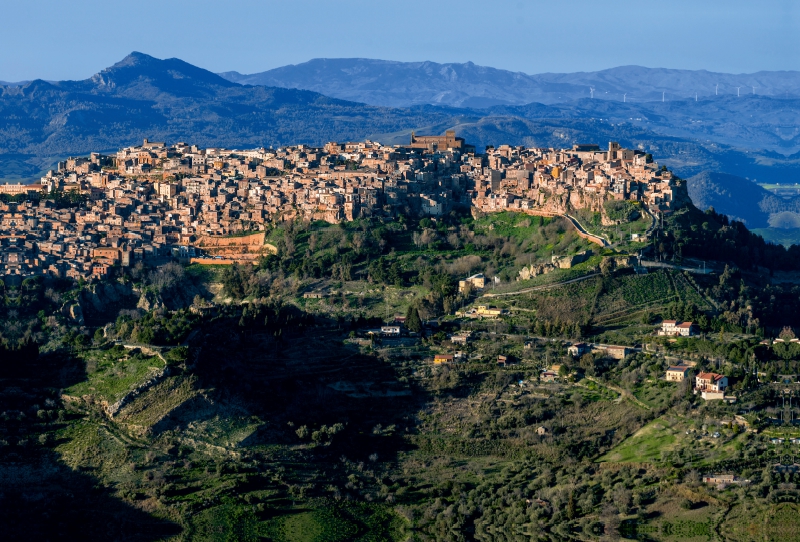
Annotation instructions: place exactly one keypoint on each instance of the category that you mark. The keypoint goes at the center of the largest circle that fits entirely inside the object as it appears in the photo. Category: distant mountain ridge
(403, 84)
(769, 119)
(141, 96)
(400, 84)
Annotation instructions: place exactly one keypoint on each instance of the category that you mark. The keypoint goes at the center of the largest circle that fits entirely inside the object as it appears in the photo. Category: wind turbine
(737, 91)
(716, 90)
(663, 96)
(695, 96)
(591, 91)
(754, 90)
(623, 98)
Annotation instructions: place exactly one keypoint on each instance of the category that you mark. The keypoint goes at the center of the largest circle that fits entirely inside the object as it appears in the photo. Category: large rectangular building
(435, 143)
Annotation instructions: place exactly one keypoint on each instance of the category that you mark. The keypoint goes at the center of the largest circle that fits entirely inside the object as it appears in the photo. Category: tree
(176, 356)
(232, 282)
(606, 266)
(622, 499)
(587, 363)
(413, 321)
(395, 275)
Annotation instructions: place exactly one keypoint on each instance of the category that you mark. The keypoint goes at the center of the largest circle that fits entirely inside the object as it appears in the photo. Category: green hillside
(260, 413)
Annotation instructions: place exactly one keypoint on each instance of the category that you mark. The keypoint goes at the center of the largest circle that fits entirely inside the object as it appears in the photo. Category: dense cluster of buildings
(551, 181)
(156, 200)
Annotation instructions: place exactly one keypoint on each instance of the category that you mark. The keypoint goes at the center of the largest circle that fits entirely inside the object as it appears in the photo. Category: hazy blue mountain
(400, 84)
(769, 119)
(142, 96)
(734, 196)
(743, 200)
(653, 84)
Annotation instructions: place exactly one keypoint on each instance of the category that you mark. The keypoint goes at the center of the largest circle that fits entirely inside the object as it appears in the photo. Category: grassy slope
(113, 376)
(643, 446)
(469, 425)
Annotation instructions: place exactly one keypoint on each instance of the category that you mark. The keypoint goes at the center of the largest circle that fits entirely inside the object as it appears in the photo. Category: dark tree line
(712, 236)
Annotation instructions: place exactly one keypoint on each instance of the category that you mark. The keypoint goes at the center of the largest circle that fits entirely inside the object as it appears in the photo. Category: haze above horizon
(733, 36)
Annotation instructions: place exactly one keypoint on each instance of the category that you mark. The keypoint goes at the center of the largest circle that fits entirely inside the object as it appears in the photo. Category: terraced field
(113, 374)
(688, 293)
(141, 414)
(776, 522)
(560, 303)
(632, 293)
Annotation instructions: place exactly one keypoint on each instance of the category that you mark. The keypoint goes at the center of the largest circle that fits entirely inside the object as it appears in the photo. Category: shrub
(623, 211)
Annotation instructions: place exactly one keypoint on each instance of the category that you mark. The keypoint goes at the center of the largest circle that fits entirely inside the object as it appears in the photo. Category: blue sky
(54, 39)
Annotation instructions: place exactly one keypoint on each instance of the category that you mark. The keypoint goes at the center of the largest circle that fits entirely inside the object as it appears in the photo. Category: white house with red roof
(675, 328)
(711, 385)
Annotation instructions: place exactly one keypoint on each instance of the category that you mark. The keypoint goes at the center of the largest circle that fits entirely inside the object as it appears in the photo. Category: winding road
(602, 241)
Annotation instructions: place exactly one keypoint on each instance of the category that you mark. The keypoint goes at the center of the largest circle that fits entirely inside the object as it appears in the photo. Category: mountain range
(403, 84)
(142, 96)
(764, 117)
(750, 137)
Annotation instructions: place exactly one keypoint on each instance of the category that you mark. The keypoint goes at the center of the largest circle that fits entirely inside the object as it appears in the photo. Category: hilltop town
(388, 332)
(159, 200)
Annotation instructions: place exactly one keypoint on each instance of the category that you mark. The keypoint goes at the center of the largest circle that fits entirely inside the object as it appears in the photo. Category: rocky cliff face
(175, 297)
(102, 296)
(108, 298)
(680, 194)
(99, 299)
(74, 312)
(149, 301)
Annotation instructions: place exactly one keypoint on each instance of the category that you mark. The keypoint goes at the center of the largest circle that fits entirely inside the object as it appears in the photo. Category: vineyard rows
(630, 291)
